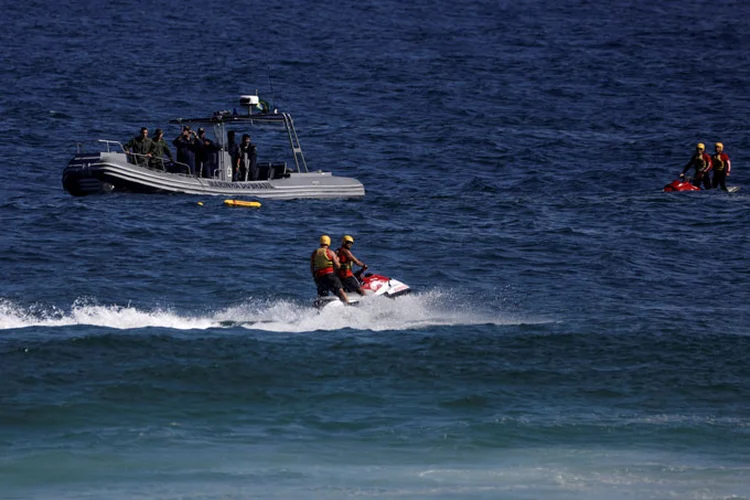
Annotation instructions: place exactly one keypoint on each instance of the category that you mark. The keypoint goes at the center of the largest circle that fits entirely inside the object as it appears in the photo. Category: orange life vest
(346, 264)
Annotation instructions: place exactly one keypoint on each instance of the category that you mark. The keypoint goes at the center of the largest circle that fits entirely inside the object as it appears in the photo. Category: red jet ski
(375, 285)
(680, 185)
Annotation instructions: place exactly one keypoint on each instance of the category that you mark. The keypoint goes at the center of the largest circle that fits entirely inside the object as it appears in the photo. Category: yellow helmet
(701, 146)
(719, 146)
(347, 239)
(325, 240)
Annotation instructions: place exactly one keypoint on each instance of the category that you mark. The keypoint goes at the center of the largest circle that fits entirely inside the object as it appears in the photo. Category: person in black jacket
(247, 164)
(186, 148)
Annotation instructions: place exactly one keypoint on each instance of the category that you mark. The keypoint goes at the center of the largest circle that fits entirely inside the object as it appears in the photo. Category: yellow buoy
(200, 203)
(242, 203)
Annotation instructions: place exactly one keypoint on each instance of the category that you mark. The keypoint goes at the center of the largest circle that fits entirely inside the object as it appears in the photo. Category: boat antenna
(270, 84)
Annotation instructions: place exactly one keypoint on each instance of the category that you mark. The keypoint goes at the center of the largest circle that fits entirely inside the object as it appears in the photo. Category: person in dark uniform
(323, 266)
(233, 150)
(207, 155)
(140, 146)
(186, 148)
(158, 150)
(721, 165)
(701, 162)
(346, 259)
(247, 162)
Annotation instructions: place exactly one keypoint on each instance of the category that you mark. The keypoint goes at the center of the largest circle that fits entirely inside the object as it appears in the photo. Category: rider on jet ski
(323, 262)
(347, 258)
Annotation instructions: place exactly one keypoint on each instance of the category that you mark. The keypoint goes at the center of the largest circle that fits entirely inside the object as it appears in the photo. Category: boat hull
(111, 172)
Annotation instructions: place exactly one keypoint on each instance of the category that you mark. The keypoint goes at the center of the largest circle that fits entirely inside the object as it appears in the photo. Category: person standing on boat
(721, 165)
(347, 259)
(233, 150)
(701, 162)
(186, 147)
(323, 266)
(247, 160)
(140, 146)
(158, 150)
(206, 160)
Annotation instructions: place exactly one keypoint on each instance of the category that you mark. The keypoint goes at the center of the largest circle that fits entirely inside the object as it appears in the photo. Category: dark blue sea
(573, 332)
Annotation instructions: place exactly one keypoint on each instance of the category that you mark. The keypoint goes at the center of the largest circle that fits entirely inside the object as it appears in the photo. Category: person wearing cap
(721, 165)
(347, 259)
(186, 148)
(701, 162)
(247, 156)
(323, 266)
(158, 150)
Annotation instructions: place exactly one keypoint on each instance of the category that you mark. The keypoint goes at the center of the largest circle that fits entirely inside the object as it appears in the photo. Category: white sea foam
(83, 312)
(435, 308)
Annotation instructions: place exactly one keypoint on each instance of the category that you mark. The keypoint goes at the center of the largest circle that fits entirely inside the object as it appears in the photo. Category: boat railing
(161, 164)
(102, 146)
(110, 144)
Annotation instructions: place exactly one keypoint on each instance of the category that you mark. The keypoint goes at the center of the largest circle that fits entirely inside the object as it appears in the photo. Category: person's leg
(720, 180)
(339, 288)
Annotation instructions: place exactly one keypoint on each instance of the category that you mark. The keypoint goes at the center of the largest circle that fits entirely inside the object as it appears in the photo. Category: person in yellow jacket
(323, 265)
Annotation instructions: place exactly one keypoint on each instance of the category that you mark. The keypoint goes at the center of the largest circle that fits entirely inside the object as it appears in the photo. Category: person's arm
(335, 259)
(709, 163)
(351, 257)
(725, 157)
(312, 264)
(689, 164)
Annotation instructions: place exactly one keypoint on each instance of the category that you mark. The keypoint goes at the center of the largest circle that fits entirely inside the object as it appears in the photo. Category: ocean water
(573, 333)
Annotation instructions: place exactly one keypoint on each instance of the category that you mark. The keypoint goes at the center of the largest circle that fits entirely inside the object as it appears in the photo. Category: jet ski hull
(374, 285)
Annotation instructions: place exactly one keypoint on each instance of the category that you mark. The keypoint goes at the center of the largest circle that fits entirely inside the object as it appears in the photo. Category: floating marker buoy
(242, 203)
(200, 203)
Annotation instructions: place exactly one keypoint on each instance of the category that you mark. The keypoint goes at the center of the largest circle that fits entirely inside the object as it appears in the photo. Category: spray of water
(433, 308)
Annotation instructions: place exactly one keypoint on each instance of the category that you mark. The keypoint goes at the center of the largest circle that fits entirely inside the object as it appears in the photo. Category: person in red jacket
(347, 259)
(701, 162)
(721, 166)
(323, 264)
